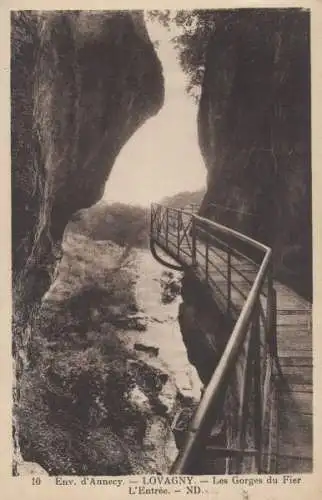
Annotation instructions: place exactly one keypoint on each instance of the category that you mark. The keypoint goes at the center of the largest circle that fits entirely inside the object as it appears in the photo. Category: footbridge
(255, 415)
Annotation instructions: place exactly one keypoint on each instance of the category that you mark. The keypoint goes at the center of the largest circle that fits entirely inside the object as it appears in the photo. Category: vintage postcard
(161, 278)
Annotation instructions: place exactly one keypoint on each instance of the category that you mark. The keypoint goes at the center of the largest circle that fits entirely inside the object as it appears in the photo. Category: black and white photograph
(161, 243)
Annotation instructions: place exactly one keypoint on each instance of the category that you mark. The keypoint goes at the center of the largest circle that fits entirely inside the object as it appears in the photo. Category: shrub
(125, 225)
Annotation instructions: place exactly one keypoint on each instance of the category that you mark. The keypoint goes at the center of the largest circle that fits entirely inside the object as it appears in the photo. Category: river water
(162, 326)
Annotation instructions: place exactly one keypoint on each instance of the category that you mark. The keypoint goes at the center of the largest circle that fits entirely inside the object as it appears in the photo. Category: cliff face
(82, 83)
(254, 132)
(204, 328)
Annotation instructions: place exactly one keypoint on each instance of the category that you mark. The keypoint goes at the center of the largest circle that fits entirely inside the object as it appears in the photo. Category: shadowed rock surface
(82, 83)
(254, 134)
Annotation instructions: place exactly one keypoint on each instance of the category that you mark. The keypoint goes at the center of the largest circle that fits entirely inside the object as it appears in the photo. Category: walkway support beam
(162, 261)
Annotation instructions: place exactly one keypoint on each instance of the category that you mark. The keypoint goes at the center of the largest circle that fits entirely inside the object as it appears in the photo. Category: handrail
(232, 232)
(174, 209)
(220, 227)
(228, 357)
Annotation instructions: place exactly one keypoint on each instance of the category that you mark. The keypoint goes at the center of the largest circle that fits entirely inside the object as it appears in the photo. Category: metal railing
(241, 395)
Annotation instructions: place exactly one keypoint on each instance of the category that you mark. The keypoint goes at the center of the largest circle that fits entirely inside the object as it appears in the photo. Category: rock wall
(254, 133)
(81, 84)
(204, 328)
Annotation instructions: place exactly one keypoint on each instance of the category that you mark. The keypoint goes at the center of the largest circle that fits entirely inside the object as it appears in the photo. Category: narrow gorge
(97, 383)
(109, 348)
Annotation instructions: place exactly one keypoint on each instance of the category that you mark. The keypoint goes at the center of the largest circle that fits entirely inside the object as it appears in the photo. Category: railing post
(274, 318)
(158, 221)
(271, 312)
(193, 241)
(167, 228)
(178, 233)
(151, 220)
(228, 281)
(269, 304)
(207, 258)
(272, 332)
(245, 392)
(257, 386)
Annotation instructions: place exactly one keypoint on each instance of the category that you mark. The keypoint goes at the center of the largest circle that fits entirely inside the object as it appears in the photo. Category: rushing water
(163, 331)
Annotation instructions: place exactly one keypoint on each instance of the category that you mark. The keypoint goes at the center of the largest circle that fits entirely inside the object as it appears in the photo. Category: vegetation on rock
(125, 225)
(184, 199)
(87, 401)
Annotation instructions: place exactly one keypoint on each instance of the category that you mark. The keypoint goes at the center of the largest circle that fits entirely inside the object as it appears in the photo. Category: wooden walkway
(221, 261)
(294, 343)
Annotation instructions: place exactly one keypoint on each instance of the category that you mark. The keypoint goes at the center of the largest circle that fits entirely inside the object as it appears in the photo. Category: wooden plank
(294, 465)
(291, 297)
(299, 314)
(298, 389)
(290, 361)
(291, 445)
(301, 330)
(298, 375)
(302, 348)
(297, 401)
(287, 361)
(292, 321)
(296, 437)
(293, 338)
(296, 353)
